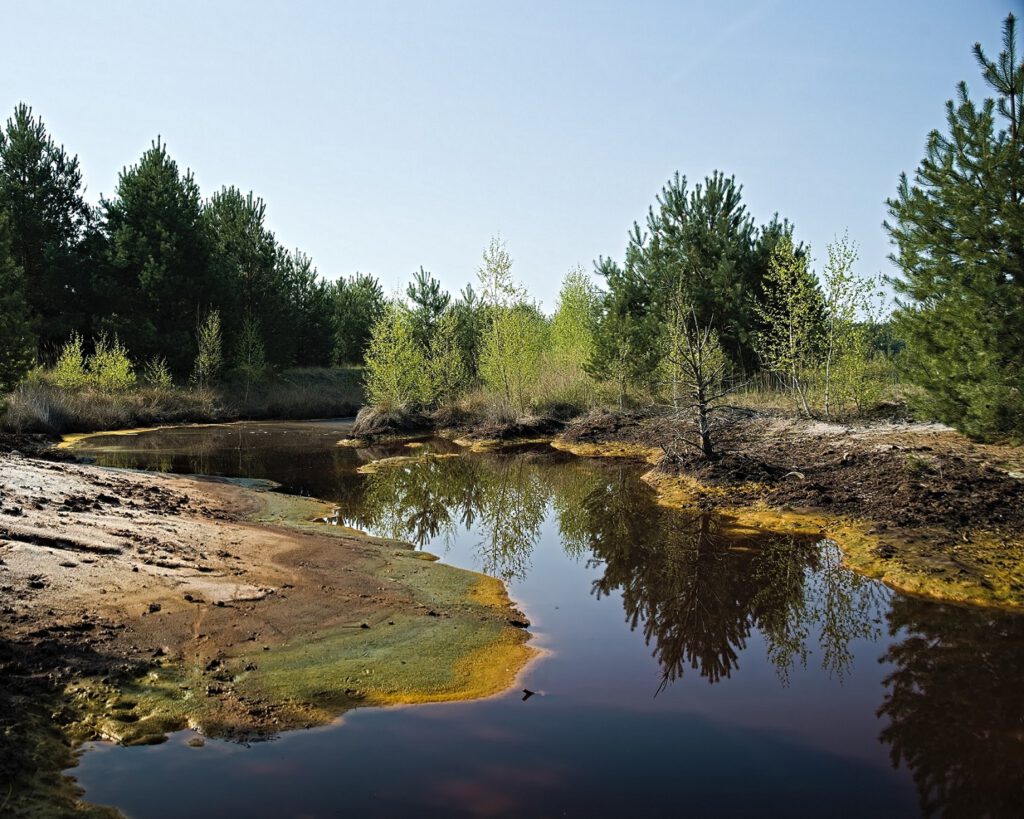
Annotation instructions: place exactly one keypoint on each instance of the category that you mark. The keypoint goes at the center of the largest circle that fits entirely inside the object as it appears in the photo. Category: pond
(693, 667)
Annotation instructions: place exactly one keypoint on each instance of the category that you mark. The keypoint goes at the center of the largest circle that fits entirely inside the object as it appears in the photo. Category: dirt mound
(530, 426)
(601, 426)
(375, 423)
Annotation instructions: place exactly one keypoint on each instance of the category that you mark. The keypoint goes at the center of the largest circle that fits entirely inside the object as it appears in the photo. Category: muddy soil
(901, 475)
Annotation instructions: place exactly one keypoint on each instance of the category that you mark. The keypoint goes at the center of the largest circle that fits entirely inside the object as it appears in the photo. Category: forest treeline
(146, 267)
(158, 285)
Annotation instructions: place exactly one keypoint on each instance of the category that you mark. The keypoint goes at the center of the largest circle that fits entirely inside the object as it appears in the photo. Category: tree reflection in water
(955, 705)
(697, 585)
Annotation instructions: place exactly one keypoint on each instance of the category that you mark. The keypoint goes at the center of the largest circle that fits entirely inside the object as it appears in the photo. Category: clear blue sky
(386, 135)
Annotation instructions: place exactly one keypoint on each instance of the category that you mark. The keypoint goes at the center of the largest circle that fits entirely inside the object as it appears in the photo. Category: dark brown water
(694, 670)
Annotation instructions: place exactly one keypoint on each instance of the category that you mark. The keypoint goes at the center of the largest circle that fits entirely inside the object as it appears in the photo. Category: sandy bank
(137, 604)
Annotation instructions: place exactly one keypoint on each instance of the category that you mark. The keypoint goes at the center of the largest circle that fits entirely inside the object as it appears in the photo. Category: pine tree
(41, 191)
(358, 305)
(309, 312)
(959, 236)
(17, 344)
(248, 268)
(429, 302)
(157, 282)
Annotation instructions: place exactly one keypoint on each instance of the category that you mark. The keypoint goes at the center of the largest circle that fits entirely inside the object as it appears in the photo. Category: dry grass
(310, 393)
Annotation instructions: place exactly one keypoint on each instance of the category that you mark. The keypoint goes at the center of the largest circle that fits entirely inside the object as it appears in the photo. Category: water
(693, 669)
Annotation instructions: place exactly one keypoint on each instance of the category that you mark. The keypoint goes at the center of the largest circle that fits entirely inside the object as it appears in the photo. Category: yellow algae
(985, 568)
(484, 445)
(610, 449)
(402, 460)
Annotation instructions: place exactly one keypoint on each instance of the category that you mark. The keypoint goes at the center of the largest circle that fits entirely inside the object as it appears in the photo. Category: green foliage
(429, 302)
(853, 308)
(704, 244)
(573, 337)
(156, 282)
(307, 323)
(210, 356)
(626, 345)
(958, 232)
(41, 191)
(250, 357)
(17, 345)
(396, 367)
(470, 320)
(497, 287)
(510, 358)
(69, 372)
(790, 313)
(156, 373)
(695, 365)
(358, 306)
(447, 373)
(110, 368)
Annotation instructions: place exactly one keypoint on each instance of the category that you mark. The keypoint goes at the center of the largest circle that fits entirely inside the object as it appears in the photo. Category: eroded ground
(917, 505)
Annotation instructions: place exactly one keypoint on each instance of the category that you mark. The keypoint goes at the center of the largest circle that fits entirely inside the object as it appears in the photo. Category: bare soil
(897, 474)
(133, 604)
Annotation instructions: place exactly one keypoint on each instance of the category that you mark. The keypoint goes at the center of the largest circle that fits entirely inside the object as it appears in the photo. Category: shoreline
(139, 604)
(918, 506)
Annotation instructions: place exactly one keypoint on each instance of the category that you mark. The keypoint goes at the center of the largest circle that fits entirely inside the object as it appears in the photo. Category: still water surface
(693, 670)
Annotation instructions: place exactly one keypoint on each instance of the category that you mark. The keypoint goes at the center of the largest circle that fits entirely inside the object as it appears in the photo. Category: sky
(388, 135)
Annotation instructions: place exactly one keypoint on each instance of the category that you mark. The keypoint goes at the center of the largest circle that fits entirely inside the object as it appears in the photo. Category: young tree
(851, 316)
(251, 357)
(791, 317)
(497, 287)
(429, 302)
(446, 368)
(210, 358)
(41, 191)
(358, 306)
(696, 366)
(69, 371)
(573, 331)
(396, 368)
(111, 370)
(470, 316)
(511, 355)
(17, 344)
(959, 236)
(157, 282)
(574, 323)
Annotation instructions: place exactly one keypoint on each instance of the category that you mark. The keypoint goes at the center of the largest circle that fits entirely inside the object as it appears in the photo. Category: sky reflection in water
(697, 667)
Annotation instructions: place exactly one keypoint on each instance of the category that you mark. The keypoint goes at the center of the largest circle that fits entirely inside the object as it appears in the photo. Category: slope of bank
(918, 506)
(134, 604)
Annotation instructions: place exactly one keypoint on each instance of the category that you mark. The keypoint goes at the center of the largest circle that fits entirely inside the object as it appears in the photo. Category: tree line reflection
(697, 586)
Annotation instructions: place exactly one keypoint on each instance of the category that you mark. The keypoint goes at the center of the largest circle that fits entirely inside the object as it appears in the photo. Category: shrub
(110, 368)
(69, 372)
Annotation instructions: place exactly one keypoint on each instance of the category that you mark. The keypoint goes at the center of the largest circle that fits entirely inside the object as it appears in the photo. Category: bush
(69, 372)
(110, 368)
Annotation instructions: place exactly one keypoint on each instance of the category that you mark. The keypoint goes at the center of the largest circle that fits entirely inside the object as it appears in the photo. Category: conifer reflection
(955, 705)
(697, 586)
